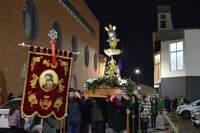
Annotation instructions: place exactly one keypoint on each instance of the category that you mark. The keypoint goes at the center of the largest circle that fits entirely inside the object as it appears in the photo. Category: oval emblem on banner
(48, 80)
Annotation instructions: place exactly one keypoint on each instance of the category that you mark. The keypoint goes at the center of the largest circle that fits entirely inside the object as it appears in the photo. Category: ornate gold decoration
(112, 40)
(112, 36)
(58, 103)
(32, 99)
(45, 102)
(34, 61)
(34, 80)
(109, 52)
(46, 63)
(61, 86)
(112, 69)
(54, 66)
(48, 80)
(64, 65)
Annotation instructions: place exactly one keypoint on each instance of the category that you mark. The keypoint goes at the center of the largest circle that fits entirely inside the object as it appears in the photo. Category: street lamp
(139, 88)
(137, 73)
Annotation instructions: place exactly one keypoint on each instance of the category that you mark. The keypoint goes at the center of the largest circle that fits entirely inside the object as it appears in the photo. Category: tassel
(53, 43)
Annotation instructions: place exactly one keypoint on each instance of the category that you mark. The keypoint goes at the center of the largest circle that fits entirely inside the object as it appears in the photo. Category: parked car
(11, 103)
(195, 116)
(185, 110)
(4, 113)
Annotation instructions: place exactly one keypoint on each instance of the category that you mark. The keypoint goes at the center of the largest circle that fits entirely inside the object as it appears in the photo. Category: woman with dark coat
(97, 115)
(116, 115)
(154, 112)
(74, 112)
(86, 115)
(134, 116)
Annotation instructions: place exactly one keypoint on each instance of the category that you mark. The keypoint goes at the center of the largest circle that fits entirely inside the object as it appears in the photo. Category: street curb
(174, 128)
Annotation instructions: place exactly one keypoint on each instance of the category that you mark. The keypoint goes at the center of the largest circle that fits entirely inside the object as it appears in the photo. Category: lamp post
(137, 73)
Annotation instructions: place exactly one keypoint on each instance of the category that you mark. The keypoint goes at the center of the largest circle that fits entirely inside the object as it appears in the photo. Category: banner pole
(41, 123)
(133, 121)
(64, 123)
(60, 126)
(25, 45)
(127, 120)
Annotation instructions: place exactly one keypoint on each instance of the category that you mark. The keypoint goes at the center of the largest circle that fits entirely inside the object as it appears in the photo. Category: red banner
(46, 86)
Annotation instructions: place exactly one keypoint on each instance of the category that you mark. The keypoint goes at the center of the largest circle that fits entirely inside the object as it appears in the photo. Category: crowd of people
(113, 114)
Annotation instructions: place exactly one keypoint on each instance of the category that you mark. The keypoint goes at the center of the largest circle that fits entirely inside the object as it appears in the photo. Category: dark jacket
(135, 113)
(86, 112)
(116, 117)
(99, 108)
(174, 103)
(74, 111)
(154, 107)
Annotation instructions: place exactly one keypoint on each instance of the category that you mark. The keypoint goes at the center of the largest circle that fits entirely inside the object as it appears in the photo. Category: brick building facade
(77, 26)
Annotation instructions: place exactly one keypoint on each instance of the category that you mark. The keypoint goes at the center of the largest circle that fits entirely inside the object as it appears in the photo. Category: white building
(176, 58)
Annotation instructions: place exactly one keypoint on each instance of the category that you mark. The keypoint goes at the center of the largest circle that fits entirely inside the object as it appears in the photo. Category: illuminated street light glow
(139, 88)
(137, 71)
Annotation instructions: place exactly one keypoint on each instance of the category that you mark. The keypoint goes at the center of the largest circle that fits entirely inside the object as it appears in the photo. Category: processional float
(111, 82)
(48, 73)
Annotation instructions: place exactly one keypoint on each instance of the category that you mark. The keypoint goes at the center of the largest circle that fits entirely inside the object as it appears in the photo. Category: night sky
(135, 21)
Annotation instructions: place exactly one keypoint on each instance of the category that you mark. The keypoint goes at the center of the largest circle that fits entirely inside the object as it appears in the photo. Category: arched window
(73, 83)
(74, 46)
(86, 56)
(30, 19)
(95, 61)
(22, 76)
(57, 28)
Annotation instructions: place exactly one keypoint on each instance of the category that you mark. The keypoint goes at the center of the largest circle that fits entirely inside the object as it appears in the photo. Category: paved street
(161, 126)
(184, 125)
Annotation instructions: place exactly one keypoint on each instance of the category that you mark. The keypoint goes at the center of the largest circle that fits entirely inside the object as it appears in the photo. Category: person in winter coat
(86, 114)
(74, 112)
(13, 119)
(116, 115)
(136, 113)
(161, 105)
(167, 102)
(97, 115)
(34, 125)
(174, 105)
(154, 111)
(145, 114)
